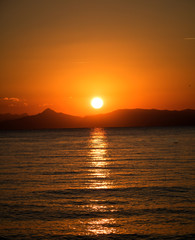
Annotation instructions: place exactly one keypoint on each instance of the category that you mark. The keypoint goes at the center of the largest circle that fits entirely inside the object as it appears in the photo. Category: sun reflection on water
(104, 226)
(99, 172)
(99, 178)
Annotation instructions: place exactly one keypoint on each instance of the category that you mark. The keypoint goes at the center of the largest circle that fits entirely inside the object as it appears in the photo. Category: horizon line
(156, 109)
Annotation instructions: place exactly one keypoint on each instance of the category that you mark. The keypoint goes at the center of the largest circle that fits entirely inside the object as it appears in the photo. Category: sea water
(113, 183)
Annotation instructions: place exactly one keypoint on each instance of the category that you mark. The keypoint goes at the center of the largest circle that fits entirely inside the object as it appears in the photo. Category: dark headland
(49, 119)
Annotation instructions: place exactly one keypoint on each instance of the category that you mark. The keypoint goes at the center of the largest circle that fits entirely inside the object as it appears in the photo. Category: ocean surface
(122, 183)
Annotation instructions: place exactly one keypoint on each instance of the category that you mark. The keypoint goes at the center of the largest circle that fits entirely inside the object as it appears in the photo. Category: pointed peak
(48, 111)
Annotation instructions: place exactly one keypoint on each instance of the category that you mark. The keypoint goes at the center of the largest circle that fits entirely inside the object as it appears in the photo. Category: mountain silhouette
(44, 120)
(9, 116)
(49, 119)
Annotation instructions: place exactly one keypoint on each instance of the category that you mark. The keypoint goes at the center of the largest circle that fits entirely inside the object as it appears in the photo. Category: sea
(101, 183)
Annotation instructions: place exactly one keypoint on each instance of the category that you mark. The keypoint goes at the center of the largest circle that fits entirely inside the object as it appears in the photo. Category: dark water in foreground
(135, 183)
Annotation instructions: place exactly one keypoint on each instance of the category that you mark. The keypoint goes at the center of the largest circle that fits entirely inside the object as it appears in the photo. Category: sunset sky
(62, 53)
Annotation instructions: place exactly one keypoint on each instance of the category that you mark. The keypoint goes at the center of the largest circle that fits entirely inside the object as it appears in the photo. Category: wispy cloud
(12, 102)
(11, 99)
(45, 105)
(189, 38)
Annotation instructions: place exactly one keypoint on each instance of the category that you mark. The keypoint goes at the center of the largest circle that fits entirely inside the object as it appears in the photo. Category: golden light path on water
(98, 166)
(99, 179)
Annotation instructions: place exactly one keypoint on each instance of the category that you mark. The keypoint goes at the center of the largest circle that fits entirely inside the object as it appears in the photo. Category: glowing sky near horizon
(60, 54)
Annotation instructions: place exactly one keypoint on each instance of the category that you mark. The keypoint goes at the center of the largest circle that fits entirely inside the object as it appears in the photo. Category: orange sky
(62, 53)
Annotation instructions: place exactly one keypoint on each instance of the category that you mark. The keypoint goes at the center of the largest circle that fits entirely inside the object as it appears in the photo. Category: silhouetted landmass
(45, 120)
(9, 116)
(143, 118)
(50, 119)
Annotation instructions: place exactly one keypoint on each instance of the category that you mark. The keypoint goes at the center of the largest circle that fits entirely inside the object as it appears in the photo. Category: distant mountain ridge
(9, 116)
(49, 119)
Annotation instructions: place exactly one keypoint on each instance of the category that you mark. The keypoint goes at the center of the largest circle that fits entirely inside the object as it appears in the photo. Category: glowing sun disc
(97, 102)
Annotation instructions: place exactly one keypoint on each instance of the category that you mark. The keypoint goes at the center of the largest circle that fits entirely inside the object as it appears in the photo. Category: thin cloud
(189, 38)
(13, 105)
(12, 99)
(45, 105)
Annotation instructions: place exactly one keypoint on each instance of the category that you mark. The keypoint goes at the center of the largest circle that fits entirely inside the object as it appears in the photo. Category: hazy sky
(61, 53)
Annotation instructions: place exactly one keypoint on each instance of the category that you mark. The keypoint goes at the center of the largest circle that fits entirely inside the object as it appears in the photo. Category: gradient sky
(61, 53)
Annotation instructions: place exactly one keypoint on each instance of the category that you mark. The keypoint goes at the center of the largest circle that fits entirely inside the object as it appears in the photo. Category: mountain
(45, 120)
(50, 119)
(9, 116)
(143, 118)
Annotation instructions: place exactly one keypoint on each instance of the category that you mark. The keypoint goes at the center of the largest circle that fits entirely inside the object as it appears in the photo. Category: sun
(97, 102)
